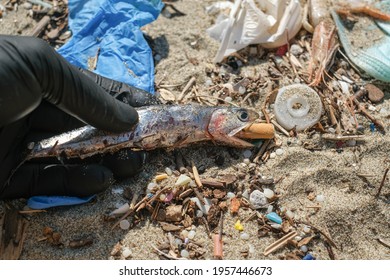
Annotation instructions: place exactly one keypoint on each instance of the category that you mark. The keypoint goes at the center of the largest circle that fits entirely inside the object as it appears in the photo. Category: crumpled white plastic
(265, 22)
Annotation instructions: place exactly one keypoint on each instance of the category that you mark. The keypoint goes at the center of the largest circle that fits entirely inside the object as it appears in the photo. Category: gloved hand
(41, 95)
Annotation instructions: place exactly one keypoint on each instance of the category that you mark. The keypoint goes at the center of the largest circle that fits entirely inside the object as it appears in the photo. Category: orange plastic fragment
(234, 205)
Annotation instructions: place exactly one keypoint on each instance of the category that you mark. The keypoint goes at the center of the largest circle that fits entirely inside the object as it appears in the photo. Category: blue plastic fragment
(111, 29)
(308, 257)
(43, 202)
(372, 127)
(274, 218)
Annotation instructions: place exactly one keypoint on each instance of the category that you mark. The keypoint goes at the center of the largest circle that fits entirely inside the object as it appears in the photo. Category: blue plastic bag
(111, 28)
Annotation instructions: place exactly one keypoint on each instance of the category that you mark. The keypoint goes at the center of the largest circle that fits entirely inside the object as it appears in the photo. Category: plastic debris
(274, 217)
(124, 224)
(257, 199)
(244, 236)
(121, 210)
(366, 44)
(268, 193)
(297, 106)
(191, 234)
(238, 226)
(126, 252)
(184, 253)
(182, 180)
(114, 28)
(309, 257)
(248, 24)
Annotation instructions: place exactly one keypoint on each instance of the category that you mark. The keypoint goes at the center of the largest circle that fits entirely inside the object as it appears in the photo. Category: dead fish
(159, 126)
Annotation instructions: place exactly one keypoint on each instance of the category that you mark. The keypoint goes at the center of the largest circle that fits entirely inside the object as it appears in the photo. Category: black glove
(41, 95)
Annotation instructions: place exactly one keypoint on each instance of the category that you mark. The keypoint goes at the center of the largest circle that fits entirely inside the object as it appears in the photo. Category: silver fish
(159, 126)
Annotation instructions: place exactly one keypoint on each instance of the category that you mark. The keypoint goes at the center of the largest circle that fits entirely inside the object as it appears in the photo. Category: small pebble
(247, 153)
(304, 248)
(244, 236)
(228, 99)
(162, 197)
(184, 253)
(178, 242)
(383, 111)
(306, 229)
(274, 217)
(151, 186)
(191, 234)
(157, 57)
(192, 183)
(184, 233)
(208, 83)
(272, 155)
(230, 195)
(27, 6)
(270, 209)
(371, 108)
(168, 171)
(268, 193)
(320, 198)
(241, 90)
(245, 194)
(351, 143)
(331, 130)
(124, 224)
(298, 238)
(257, 199)
(297, 81)
(252, 50)
(289, 214)
(276, 226)
(296, 49)
(374, 93)
(117, 191)
(199, 214)
(251, 249)
(126, 253)
(246, 161)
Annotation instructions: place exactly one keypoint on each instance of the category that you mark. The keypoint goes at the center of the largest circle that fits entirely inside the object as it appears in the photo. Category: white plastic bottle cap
(297, 106)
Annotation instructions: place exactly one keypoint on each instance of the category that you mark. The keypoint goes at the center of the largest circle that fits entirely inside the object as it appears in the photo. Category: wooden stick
(382, 182)
(40, 26)
(186, 88)
(165, 254)
(278, 126)
(279, 243)
(362, 110)
(196, 176)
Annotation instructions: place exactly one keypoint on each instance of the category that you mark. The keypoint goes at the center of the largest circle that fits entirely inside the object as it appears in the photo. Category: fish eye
(243, 115)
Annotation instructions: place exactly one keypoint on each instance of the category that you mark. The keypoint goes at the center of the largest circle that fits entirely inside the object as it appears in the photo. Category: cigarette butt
(258, 131)
(218, 252)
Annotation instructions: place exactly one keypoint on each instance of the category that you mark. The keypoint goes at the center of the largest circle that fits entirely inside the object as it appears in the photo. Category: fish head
(225, 123)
